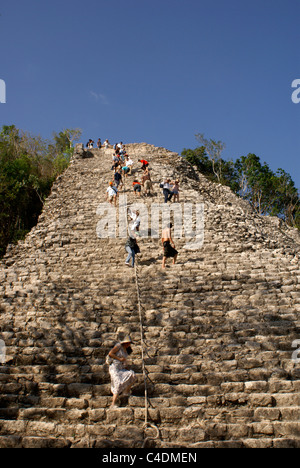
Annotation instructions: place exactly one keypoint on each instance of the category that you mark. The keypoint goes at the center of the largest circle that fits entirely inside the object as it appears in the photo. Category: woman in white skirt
(122, 378)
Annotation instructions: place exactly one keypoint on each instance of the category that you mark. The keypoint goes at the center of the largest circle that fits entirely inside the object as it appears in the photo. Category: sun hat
(127, 339)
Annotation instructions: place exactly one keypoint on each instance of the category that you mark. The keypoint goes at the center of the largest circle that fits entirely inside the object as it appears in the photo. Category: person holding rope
(132, 248)
(136, 221)
(122, 378)
(118, 179)
(111, 194)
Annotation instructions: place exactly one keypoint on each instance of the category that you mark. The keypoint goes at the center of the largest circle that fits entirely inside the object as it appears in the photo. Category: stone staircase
(218, 326)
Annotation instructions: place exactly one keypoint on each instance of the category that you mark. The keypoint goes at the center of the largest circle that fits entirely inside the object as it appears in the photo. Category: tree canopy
(28, 167)
(269, 193)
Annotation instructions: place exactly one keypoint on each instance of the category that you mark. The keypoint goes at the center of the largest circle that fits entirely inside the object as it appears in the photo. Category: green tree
(288, 200)
(268, 193)
(214, 150)
(28, 168)
(62, 149)
(256, 183)
(199, 158)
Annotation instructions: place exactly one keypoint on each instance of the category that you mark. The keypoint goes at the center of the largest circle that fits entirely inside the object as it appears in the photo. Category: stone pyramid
(216, 330)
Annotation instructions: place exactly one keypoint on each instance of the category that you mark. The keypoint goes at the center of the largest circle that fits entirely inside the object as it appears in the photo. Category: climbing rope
(142, 340)
(147, 424)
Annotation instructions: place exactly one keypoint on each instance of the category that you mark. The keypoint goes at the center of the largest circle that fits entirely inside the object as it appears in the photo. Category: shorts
(137, 188)
(169, 251)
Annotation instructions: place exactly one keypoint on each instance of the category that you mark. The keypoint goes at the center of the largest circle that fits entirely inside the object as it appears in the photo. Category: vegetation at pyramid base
(269, 193)
(28, 167)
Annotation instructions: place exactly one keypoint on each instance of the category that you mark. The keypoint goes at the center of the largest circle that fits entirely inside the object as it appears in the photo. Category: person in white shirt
(136, 221)
(129, 163)
(167, 190)
(111, 194)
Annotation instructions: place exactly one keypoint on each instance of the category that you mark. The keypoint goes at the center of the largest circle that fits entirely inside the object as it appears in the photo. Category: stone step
(160, 413)
(266, 406)
(125, 420)
(260, 443)
(12, 441)
(169, 366)
(75, 434)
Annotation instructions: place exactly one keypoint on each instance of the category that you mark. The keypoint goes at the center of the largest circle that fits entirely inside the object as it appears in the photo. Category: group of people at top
(106, 144)
(90, 144)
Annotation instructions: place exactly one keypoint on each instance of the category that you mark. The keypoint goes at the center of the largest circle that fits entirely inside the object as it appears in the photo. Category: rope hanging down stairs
(147, 425)
(143, 348)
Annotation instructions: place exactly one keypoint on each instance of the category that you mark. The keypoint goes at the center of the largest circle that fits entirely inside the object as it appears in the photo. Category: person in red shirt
(144, 163)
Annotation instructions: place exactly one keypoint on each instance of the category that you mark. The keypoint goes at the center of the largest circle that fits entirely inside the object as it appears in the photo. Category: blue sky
(157, 71)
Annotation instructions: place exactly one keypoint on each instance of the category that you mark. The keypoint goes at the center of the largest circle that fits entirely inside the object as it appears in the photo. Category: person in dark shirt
(132, 249)
(118, 178)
